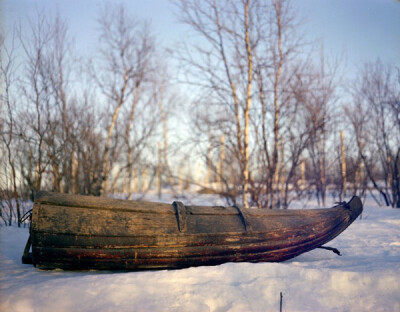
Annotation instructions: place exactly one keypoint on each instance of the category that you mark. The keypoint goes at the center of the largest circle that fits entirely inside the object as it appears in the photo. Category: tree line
(267, 114)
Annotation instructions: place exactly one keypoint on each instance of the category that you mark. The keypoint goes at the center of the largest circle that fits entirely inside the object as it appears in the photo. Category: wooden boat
(82, 232)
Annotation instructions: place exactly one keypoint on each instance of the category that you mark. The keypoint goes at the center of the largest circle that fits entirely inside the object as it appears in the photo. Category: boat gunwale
(253, 212)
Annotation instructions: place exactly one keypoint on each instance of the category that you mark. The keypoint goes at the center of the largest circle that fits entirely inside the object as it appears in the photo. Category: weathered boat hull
(81, 232)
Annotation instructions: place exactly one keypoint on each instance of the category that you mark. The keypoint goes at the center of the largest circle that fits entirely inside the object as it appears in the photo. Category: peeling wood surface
(81, 232)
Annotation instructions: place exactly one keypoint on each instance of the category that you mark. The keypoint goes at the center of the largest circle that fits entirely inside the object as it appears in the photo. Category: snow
(365, 278)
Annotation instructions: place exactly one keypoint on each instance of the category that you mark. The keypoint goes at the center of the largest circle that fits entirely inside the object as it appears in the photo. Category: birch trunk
(105, 163)
(246, 160)
(278, 70)
(343, 156)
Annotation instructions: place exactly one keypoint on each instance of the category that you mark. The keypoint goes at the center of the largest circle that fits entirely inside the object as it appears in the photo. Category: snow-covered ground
(365, 278)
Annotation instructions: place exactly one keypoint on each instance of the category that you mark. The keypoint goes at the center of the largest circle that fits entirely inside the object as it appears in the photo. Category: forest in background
(246, 108)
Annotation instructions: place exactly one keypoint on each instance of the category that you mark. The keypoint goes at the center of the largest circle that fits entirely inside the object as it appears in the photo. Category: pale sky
(361, 30)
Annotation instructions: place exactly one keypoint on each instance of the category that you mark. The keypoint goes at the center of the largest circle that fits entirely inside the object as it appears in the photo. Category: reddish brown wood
(80, 232)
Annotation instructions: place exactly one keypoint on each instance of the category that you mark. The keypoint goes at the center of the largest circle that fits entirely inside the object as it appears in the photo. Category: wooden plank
(211, 210)
(103, 203)
(64, 219)
(176, 258)
(189, 243)
(154, 241)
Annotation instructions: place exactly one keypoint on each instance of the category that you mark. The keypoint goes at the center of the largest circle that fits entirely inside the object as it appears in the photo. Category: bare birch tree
(126, 52)
(60, 71)
(320, 107)
(275, 70)
(165, 98)
(63, 144)
(35, 86)
(8, 132)
(244, 66)
(376, 98)
(224, 63)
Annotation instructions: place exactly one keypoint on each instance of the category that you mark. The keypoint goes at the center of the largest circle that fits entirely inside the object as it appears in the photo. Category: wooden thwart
(180, 216)
(243, 216)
